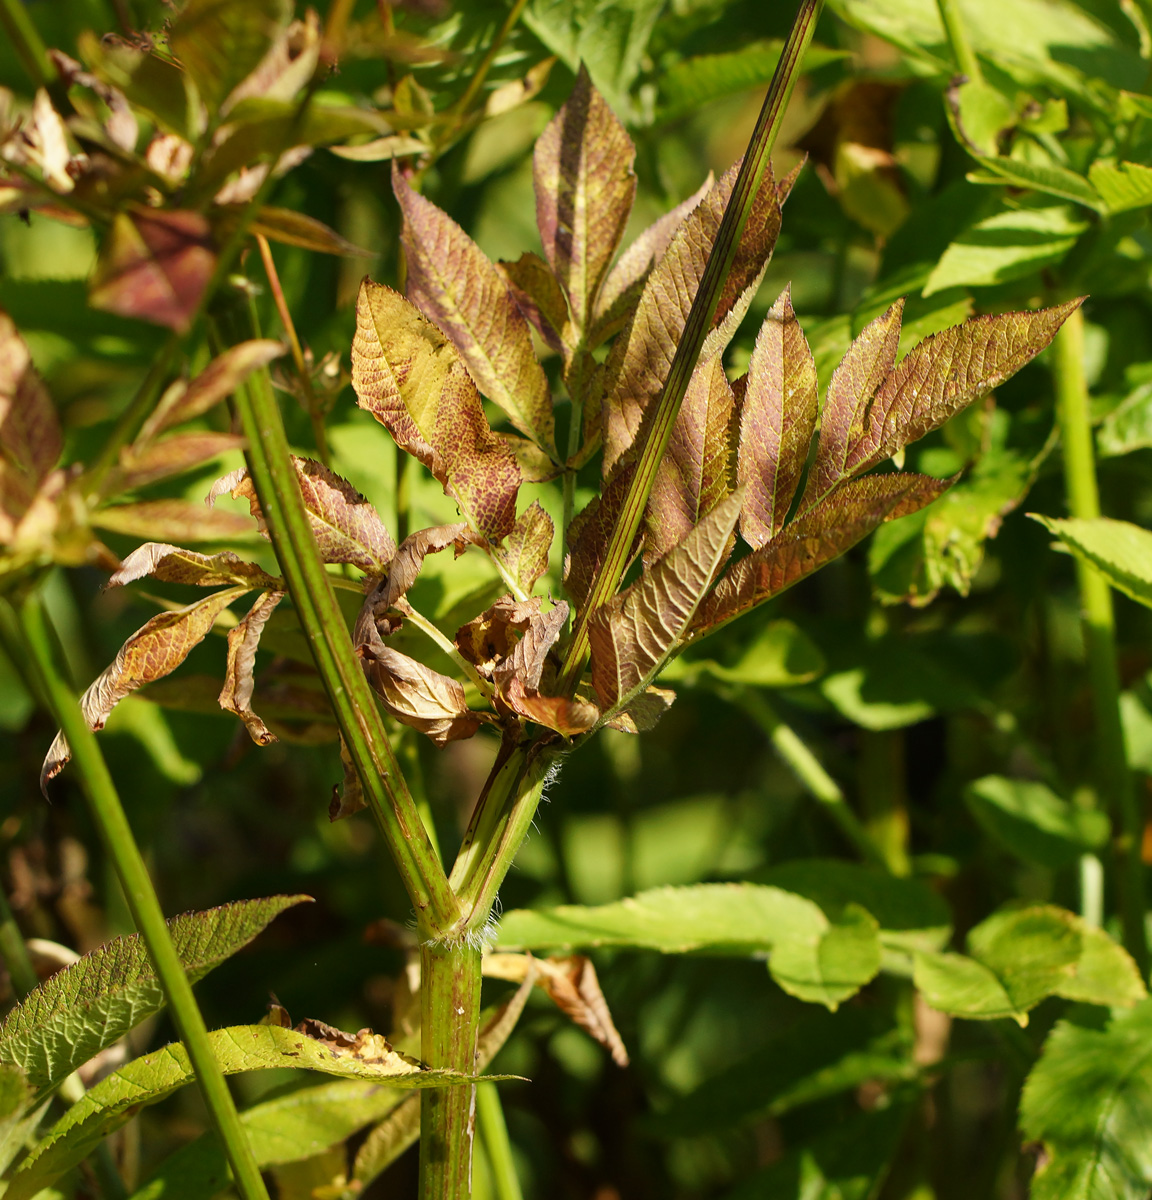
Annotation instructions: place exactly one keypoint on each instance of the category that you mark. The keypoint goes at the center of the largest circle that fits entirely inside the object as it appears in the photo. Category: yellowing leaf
(153, 651)
(634, 633)
(243, 642)
(777, 420)
(644, 712)
(524, 554)
(172, 564)
(30, 439)
(409, 377)
(452, 281)
(585, 186)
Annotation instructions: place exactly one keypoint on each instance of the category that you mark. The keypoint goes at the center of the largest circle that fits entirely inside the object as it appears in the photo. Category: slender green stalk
(699, 321)
(26, 41)
(278, 490)
(884, 796)
(494, 1137)
(1092, 890)
(807, 768)
(120, 845)
(962, 52)
(1098, 621)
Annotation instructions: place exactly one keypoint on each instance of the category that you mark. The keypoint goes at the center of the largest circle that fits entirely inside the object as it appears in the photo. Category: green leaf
(1007, 246)
(1049, 178)
(84, 1007)
(1119, 550)
(1128, 426)
(148, 1080)
(780, 655)
(833, 964)
(16, 1098)
(1089, 1101)
(1032, 822)
(1122, 186)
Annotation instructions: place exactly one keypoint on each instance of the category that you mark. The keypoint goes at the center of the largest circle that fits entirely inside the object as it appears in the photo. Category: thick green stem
(120, 845)
(962, 52)
(719, 264)
(494, 1137)
(278, 490)
(449, 1026)
(1114, 778)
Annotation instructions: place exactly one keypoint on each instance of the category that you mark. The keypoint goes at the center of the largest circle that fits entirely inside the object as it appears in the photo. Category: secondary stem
(494, 1136)
(962, 51)
(1099, 627)
(116, 835)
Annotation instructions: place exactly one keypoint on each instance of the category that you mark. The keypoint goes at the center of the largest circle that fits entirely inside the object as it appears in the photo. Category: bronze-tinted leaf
(524, 553)
(699, 467)
(409, 377)
(243, 642)
(539, 297)
(347, 528)
(585, 186)
(409, 558)
(154, 265)
(642, 355)
(298, 229)
(153, 651)
(219, 379)
(451, 280)
(171, 564)
(590, 532)
(777, 420)
(170, 456)
(174, 521)
(489, 639)
(814, 539)
(567, 715)
(30, 439)
(632, 635)
(530, 653)
(417, 696)
(644, 712)
(288, 65)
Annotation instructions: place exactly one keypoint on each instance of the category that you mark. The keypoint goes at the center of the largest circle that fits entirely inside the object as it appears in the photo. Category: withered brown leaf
(173, 564)
(30, 438)
(239, 682)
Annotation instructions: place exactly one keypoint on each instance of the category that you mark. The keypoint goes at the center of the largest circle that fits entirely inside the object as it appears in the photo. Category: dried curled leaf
(346, 526)
(524, 554)
(489, 639)
(347, 797)
(172, 564)
(409, 558)
(243, 642)
(634, 633)
(153, 651)
(30, 438)
(452, 281)
(777, 420)
(409, 377)
(823, 533)
(585, 186)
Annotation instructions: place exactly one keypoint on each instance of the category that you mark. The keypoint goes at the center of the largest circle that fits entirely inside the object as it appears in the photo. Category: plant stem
(494, 1136)
(1098, 622)
(278, 490)
(884, 795)
(120, 845)
(966, 60)
(27, 42)
(720, 259)
(449, 1025)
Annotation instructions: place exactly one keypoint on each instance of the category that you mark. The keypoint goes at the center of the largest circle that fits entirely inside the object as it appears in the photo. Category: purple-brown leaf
(408, 376)
(585, 186)
(451, 280)
(590, 532)
(30, 439)
(172, 564)
(409, 558)
(239, 682)
(524, 553)
(777, 420)
(487, 640)
(539, 297)
(141, 465)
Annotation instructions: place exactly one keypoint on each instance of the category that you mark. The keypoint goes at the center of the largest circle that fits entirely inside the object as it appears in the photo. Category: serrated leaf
(634, 633)
(452, 281)
(150, 1079)
(1119, 550)
(585, 186)
(1049, 178)
(644, 712)
(591, 531)
(17, 1123)
(173, 564)
(153, 651)
(1122, 186)
(524, 553)
(93, 1002)
(174, 521)
(408, 376)
(154, 266)
(30, 437)
(777, 420)
(641, 356)
(539, 297)
(347, 528)
(823, 533)
(1089, 1101)
(698, 469)
(243, 642)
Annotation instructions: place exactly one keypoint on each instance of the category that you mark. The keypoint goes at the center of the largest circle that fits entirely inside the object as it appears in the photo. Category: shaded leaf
(407, 375)
(171, 456)
(292, 228)
(243, 642)
(585, 186)
(829, 965)
(451, 280)
(153, 651)
(1050, 178)
(154, 265)
(30, 438)
(1119, 550)
(539, 297)
(175, 521)
(643, 712)
(780, 655)
(92, 1003)
(777, 420)
(1122, 186)
(381, 149)
(591, 531)
(634, 633)
(172, 564)
(524, 554)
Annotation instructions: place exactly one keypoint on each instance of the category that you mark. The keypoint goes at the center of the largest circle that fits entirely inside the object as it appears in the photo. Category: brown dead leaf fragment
(364, 1045)
(30, 438)
(487, 640)
(172, 564)
(409, 558)
(821, 534)
(566, 715)
(452, 281)
(585, 186)
(409, 377)
(644, 712)
(347, 797)
(524, 553)
(633, 634)
(153, 651)
(777, 420)
(239, 682)
(154, 265)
